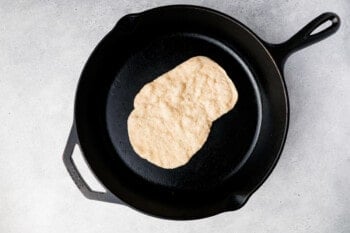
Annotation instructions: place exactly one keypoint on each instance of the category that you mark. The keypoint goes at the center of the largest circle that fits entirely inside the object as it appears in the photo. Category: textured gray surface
(43, 47)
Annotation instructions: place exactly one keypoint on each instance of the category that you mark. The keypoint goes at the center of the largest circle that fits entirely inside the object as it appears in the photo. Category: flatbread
(173, 114)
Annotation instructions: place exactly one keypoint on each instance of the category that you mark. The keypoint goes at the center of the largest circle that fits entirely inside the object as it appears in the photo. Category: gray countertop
(43, 47)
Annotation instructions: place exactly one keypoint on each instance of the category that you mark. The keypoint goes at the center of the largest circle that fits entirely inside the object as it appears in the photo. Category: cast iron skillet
(244, 144)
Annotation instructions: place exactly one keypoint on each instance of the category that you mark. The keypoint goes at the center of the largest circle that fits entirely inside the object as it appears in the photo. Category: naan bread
(173, 114)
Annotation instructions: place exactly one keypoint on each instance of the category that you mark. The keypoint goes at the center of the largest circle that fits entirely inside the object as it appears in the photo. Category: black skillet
(244, 144)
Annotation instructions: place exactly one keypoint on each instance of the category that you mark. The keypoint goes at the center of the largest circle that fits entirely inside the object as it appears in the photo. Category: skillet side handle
(76, 176)
(305, 37)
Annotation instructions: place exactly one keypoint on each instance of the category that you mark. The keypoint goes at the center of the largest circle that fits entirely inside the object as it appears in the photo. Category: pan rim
(257, 40)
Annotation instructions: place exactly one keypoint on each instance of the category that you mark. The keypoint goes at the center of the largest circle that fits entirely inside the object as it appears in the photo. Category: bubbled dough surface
(173, 114)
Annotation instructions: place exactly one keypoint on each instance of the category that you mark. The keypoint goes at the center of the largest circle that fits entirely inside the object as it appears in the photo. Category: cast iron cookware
(244, 144)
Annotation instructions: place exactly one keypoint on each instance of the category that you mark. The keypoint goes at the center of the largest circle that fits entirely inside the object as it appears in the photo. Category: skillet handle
(305, 37)
(76, 176)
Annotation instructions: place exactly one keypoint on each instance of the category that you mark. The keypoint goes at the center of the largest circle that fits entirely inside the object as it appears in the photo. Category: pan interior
(232, 136)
